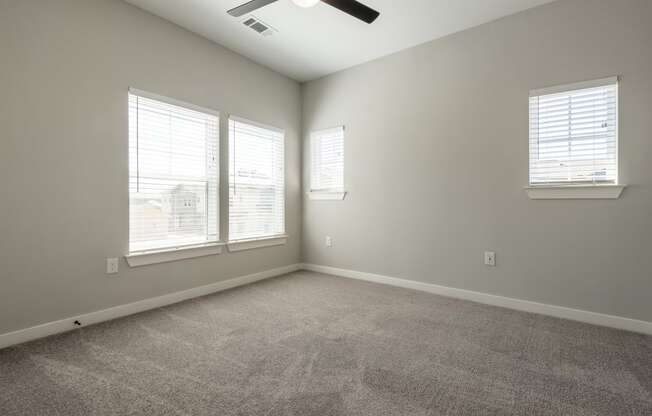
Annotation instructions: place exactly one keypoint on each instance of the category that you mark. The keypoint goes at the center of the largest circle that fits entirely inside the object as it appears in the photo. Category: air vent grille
(258, 26)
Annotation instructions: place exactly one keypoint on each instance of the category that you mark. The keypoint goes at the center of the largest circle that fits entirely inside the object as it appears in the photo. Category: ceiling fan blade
(249, 7)
(355, 9)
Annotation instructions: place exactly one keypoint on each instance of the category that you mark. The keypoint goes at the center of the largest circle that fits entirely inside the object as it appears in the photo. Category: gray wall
(65, 67)
(437, 158)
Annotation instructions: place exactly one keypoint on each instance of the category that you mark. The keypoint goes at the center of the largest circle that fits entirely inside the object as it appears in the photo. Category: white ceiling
(317, 41)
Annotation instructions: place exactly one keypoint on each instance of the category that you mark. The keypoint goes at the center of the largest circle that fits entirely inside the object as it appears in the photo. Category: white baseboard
(51, 328)
(594, 318)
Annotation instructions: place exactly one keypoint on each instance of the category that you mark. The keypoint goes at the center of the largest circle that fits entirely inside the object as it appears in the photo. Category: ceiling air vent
(258, 26)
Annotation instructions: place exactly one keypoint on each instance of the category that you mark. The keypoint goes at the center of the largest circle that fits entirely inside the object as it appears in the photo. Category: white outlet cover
(112, 265)
(489, 258)
(329, 241)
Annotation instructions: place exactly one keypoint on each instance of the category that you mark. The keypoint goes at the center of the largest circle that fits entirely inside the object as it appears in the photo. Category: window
(256, 181)
(574, 134)
(173, 174)
(327, 160)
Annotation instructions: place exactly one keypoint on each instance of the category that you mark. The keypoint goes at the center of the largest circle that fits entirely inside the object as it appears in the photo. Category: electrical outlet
(112, 265)
(329, 241)
(489, 258)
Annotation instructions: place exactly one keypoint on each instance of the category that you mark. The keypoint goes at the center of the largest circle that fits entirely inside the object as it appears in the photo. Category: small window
(574, 134)
(327, 160)
(173, 174)
(256, 181)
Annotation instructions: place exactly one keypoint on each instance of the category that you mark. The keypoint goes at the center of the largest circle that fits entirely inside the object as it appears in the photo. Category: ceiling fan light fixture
(305, 3)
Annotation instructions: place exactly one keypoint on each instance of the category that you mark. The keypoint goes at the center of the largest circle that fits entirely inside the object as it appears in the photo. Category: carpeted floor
(307, 344)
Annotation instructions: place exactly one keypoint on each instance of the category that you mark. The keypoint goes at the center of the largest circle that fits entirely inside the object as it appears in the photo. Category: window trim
(145, 258)
(257, 124)
(575, 86)
(575, 191)
(253, 243)
(327, 195)
(168, 254)
(173, 101)
(579, 190)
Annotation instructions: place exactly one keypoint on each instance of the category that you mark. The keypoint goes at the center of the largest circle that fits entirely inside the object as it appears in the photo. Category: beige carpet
(313, 345)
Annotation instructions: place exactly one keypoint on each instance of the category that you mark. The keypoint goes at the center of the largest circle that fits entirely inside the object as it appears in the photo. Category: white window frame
(154, 256)
(574, 190)
(325, 194)
(263, 241)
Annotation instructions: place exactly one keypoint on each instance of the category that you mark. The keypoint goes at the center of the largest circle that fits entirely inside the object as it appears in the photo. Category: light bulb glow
(305, 3)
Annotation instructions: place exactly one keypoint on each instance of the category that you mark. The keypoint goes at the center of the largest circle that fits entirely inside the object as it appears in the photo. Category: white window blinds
(256, 181)
(327, 160)
(173, 174)
(574, 134)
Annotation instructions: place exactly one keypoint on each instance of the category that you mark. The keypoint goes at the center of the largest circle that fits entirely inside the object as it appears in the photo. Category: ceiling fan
(352, 7)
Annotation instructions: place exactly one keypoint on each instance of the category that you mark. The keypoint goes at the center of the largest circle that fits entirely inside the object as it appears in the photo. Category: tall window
(256, 181)
(173, 174)
(574, 134)
(327, 160)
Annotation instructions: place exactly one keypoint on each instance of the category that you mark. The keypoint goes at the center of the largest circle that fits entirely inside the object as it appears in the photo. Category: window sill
(242, 245)
(165, 256)
(575, 192)
(327, 195)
